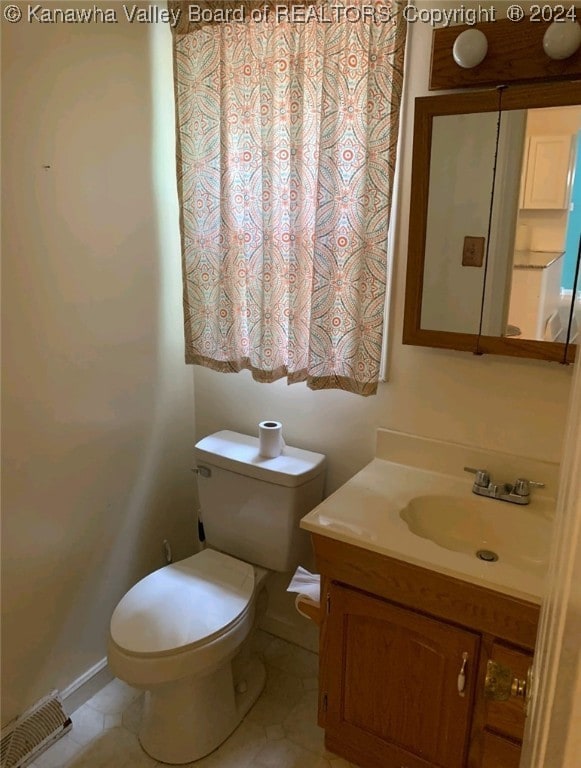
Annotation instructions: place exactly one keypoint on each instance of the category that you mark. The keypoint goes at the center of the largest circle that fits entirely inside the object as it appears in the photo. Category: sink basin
(517, 535)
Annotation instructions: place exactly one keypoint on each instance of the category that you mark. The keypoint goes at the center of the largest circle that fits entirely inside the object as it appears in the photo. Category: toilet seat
(183, 605)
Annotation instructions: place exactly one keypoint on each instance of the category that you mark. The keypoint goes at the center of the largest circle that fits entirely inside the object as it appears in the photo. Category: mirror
(495, 222)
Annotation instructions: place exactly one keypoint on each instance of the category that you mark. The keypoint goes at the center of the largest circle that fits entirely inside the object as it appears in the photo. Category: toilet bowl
(175, 634)
(183, 633)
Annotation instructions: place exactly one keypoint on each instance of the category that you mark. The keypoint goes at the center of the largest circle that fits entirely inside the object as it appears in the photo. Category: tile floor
(280, 731)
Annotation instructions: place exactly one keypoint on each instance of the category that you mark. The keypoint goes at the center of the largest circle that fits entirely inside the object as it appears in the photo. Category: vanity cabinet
(394, 692)
(504, 721)
(394, 638)
(448, 303)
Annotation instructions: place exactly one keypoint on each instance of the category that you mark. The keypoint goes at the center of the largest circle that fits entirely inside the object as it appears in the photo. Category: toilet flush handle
(202, 471)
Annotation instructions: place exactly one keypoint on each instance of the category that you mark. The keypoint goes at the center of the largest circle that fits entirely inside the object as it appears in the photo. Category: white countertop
(365, 513)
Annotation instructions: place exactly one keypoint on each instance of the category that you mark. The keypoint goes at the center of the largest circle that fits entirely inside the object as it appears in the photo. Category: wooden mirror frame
(426, 108)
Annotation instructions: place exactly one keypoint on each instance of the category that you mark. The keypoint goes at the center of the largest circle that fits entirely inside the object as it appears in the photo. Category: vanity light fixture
(562, 39)
(470, 48)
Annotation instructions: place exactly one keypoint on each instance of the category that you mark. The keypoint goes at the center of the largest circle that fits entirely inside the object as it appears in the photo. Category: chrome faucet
(517, 493)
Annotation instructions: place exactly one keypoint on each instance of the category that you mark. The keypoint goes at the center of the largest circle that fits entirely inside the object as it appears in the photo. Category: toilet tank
(251, 506)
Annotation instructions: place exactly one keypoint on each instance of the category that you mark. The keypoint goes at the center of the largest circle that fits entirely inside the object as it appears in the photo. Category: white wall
(490, 401)
(499, 403)
(97, 403)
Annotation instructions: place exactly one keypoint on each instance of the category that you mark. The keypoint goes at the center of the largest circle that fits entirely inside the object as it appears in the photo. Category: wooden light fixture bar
(515, 55)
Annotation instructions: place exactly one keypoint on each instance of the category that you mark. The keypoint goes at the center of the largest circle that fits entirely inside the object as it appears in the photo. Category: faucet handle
(482, 479)
(522, 487)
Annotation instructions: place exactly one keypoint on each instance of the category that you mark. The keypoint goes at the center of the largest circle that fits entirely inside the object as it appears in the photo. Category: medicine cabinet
(494, 223)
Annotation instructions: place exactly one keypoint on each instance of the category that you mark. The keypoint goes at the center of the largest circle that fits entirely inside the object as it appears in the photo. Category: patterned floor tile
(114, 697)
(300, 725)
(292, 659)
(285, 754)
(240, 750)
(116, 747)
(280, 731)
(131, 717)
(60, 754)
(87, 724)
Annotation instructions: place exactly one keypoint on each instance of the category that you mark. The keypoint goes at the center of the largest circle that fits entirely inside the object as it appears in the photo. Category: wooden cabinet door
(499, 753)
(391, 674)
(547, 172)
(508, 717)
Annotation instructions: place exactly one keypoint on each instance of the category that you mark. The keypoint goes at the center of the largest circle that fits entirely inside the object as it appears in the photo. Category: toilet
(182, 633)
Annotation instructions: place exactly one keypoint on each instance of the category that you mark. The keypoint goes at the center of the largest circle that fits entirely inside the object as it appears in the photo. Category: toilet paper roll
(270, 439)
(303, 602)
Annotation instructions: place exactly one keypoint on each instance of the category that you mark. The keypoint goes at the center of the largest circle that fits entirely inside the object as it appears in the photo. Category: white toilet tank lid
(183, 603)
(239, 453)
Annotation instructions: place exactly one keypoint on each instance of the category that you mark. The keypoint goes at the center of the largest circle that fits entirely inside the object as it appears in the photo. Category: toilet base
(184, 721)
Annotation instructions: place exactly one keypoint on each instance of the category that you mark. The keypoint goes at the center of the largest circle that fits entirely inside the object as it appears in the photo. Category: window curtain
(287, 128)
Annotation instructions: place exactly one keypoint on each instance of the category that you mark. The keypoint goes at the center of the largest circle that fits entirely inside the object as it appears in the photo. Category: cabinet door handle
(462, 675)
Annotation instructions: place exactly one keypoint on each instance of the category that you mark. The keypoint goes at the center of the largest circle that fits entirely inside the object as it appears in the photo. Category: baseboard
(86, 686)
(305, 634)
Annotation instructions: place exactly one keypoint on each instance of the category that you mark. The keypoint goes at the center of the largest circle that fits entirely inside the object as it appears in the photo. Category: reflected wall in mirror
(495, 221)
(536, 224)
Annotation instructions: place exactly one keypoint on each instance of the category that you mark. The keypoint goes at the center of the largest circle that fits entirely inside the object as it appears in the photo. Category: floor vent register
(33, 732)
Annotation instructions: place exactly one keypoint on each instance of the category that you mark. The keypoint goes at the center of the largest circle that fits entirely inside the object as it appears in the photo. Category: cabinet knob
(500, 684)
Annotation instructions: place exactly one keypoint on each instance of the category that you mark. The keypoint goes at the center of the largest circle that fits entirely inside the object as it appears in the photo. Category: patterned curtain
(287, 123)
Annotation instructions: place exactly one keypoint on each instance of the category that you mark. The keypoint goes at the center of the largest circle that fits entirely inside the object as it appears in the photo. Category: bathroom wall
(499, 403)
(97, 403)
